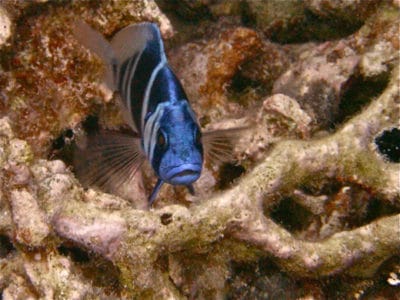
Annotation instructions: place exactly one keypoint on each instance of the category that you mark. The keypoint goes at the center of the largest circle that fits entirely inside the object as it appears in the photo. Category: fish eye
(161, 141)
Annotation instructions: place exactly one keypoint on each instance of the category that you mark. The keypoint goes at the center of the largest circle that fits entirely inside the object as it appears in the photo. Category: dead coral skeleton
(134, 240)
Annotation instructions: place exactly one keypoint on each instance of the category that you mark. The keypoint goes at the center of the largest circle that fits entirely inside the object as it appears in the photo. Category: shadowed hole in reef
(228, 173)
(91, 124)
(291, 215)
(64, 138)
(100, 271)
(306, 26)
(259, 280)
(378, 287)
(64, 145)
(245, 91)
(6, 246)
(359, 93)
(388, 143)
(75, 253)
(377, 209)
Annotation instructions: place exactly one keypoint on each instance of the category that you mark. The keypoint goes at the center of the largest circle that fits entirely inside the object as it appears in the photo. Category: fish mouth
(183, 174)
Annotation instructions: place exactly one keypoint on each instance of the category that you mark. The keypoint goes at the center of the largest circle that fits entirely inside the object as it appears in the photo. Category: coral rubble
(317, 204)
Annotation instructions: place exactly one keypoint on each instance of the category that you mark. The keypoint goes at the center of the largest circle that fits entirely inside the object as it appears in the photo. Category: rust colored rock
(206, 68)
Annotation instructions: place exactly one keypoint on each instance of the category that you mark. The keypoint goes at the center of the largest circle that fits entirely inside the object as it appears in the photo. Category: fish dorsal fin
(95, 42)
(134, 38)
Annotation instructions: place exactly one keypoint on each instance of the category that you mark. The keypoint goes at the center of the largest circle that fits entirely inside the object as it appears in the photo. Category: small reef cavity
(284, 213)
(359, 93)
(101, 272)
(388, 144)
(6, 246)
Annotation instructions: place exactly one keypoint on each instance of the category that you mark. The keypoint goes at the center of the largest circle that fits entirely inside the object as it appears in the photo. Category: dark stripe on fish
(148, 61)
(166, 87)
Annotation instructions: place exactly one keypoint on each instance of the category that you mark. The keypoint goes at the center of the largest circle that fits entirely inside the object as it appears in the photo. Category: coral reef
(316, 211)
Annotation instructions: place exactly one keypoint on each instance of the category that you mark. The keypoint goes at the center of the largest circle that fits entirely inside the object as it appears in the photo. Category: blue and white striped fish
(155, 106)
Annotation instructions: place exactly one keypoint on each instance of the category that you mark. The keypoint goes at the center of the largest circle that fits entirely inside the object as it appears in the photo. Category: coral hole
(75, 253)
(100, 271)
(166, 218)
(388, 144)
(291, 215)
(359, 92)
(228, 173)
(6, 246)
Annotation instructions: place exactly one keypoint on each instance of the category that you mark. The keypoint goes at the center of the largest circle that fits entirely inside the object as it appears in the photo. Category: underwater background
(309, 206)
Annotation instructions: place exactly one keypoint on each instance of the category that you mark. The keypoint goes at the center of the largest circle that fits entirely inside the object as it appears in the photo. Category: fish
(164, 128)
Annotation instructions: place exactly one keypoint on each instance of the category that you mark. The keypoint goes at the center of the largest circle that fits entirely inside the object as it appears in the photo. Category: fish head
(178, 151)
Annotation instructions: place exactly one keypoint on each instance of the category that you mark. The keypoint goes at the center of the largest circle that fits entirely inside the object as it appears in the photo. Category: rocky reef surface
(308, 209)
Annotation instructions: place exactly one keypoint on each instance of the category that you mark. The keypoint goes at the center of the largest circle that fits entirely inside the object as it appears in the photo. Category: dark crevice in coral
(190, 11)
(245, 91)
(376, 209)
(381, 288)
(259, 280)
(239, 83)
(359, 92)
(388, 144)
(63, 139)
(353, 202)
(284, 214)
(91, 124)
(228, 173)
(6, 246)
(326, 187)
(339, 287)
(328, 28)
(101, 272)
(305, 27)
(75, 253)
(344, 287)
(63, 147)
(166, 218)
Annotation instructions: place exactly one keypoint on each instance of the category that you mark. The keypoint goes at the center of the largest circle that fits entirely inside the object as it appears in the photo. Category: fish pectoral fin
(155, 191)
(108, 160)
(219, 144)
(191, 189)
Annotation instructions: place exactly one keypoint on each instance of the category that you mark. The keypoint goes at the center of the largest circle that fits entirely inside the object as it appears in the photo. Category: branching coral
(134, 240)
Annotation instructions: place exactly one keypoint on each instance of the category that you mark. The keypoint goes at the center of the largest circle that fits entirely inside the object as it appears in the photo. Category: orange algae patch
(236, 46)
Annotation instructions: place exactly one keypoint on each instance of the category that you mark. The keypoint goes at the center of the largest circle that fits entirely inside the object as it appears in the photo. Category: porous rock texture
(315, 213)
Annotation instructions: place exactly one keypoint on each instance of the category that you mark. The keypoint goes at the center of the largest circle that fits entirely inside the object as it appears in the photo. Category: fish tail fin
(219, 144)
(108, 160)
(95, 42)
